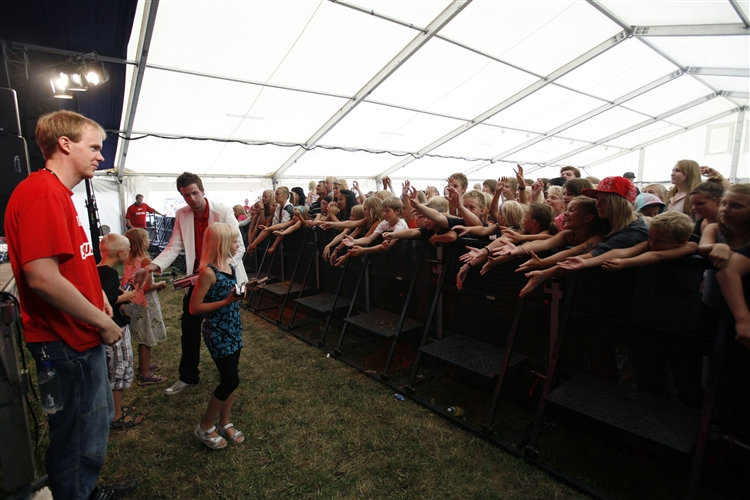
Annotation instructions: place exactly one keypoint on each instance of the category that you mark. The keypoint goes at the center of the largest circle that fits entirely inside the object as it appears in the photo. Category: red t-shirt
(200, 223)
(41, 222)
(137, 214)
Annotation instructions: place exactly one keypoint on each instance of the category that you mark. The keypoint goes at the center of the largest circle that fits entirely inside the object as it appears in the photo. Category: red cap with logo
(616, 185)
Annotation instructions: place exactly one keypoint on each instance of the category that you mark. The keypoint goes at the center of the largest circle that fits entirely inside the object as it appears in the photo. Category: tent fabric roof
(419, 90)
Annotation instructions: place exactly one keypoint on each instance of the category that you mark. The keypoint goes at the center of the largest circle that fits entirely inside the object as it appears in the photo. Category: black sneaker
(117, 490)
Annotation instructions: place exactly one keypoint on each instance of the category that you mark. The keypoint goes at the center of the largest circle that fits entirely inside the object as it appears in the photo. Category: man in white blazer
(190, 223)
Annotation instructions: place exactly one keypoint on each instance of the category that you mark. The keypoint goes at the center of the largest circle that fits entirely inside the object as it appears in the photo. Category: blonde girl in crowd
(214, 297)
(264, 214)
(686, 174)
(281, 214)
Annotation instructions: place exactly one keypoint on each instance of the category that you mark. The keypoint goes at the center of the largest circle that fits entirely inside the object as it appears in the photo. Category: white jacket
(183, 238)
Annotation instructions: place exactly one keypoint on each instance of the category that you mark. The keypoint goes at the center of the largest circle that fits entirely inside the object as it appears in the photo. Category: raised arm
(495, 204)
(405, 191)
(432, 214)
(360, 194)
(522, 198)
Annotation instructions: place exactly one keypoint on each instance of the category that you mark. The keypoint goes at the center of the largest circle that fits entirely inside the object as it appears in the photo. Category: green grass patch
(317, 428)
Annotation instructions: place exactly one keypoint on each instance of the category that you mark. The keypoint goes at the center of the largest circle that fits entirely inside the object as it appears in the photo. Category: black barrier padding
(607, 306)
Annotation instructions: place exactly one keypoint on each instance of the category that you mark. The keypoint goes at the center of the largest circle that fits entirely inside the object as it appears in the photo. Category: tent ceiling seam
(410, 49)
(637, 126)
(582, 118)
(663, 138)
(563, 70)
(740, 13)
(379, 15)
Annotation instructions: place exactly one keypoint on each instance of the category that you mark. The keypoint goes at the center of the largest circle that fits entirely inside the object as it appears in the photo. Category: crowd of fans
(551, 227)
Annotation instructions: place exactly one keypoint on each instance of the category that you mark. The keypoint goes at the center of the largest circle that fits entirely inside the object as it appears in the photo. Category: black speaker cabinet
(14, 167)
(10, 122)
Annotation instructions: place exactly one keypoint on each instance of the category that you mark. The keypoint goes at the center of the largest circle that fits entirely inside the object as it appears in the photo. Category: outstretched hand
(536, 278)
(507, 248)
(453, 196)
(461, 230)
(511, 235)
(536, 189)
(355, 251)
(348, 241)
(472, 254)
(613, 265)
(533, 263)
(461, 276)
(572, 263)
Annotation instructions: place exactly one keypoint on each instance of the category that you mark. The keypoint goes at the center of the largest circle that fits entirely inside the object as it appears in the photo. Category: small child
(114, 249)
(214, 297)
(145, 310)
(392, 222)
(428, 229)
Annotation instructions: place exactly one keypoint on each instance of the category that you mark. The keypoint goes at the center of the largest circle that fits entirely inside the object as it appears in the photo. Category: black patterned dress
(222, 328)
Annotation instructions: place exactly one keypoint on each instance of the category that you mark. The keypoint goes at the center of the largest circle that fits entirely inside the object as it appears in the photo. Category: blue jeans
(78, 433)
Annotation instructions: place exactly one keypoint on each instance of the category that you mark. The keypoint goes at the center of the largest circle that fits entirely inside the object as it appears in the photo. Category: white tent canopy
(298, 90)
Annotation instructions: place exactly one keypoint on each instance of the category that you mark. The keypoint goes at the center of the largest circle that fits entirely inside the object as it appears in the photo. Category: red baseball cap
(616, 185)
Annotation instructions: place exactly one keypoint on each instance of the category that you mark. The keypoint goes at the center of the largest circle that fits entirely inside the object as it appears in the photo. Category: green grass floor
(317, 428)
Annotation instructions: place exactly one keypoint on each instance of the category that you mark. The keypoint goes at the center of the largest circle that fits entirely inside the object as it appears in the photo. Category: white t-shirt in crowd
(385, 227)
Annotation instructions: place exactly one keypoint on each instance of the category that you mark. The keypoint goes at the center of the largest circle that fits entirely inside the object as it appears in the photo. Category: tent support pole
(738, 129)
(144, 45)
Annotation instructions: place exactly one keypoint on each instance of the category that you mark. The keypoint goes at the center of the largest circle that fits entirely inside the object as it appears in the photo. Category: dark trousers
(191, 343)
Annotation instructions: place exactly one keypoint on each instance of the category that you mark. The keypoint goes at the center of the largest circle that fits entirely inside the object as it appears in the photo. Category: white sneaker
(176, 388)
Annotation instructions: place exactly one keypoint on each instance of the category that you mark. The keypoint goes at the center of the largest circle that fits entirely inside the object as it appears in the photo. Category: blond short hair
(478, 196)
(393, 203)
(676, 225)
(513, 214)
(439, 203)
(113, 243)
(52, 126)
(461, 178)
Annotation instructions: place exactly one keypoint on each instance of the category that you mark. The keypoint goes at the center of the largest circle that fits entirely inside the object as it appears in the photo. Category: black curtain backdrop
(75, 26)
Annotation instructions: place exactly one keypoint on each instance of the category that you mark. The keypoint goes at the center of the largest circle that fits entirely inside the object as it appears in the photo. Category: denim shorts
(79, 432)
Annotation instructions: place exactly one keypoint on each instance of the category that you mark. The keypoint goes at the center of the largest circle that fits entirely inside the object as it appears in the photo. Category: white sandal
(238, 437)
(215, 443)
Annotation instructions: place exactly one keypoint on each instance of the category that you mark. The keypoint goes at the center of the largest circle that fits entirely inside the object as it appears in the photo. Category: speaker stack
(14, 155)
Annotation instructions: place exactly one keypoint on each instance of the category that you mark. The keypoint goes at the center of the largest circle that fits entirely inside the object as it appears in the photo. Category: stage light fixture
(95, 74)
(76, 83)
(59, 84)
(76, 74)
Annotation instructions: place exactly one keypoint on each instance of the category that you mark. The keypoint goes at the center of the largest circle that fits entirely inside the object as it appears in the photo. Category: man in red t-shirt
(66, 316)
(135, 216)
